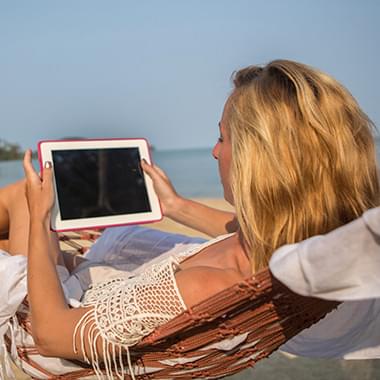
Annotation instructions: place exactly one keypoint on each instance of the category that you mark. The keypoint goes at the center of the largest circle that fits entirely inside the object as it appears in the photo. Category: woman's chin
(229, 199)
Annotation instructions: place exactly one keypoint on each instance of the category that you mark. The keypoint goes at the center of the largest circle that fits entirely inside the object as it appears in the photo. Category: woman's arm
(193, 214)
(52, 320)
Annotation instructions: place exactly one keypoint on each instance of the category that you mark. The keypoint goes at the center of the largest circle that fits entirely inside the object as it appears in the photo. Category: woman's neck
(243, 258)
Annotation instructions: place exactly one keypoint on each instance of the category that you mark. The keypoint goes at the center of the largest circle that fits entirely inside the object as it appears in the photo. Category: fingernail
(47, 165)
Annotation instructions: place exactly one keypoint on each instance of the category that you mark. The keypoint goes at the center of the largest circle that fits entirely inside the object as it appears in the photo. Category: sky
(161, 69)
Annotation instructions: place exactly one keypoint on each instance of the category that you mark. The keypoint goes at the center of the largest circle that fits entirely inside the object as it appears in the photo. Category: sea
(193, 172)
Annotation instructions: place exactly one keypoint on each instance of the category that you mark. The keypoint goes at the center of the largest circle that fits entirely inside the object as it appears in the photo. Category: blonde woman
(296, 158)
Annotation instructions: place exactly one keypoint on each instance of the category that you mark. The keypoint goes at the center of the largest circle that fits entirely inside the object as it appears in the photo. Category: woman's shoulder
(201, 282)
(196, 248)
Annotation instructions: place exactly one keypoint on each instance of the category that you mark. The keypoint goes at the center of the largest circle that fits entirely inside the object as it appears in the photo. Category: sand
(170, 226)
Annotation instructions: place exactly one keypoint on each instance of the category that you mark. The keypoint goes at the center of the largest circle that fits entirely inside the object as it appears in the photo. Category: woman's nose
(215, 151)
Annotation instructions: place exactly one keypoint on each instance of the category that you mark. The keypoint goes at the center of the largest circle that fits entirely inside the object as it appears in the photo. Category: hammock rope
(218, 337)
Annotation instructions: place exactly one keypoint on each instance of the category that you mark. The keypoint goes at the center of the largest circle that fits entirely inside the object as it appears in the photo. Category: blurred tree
(9, 151)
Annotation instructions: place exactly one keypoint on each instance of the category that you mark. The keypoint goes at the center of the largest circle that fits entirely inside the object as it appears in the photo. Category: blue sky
(161, 69)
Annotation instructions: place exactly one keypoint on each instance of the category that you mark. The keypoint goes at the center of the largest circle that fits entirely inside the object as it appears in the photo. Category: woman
(296, 158)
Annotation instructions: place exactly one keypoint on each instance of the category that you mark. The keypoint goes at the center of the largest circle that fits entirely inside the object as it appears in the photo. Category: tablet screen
(99, 182)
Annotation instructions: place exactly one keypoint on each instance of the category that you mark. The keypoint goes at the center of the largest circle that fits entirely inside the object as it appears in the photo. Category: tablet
(100, 183)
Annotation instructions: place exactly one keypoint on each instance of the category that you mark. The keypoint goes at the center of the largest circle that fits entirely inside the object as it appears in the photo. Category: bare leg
(14, 204)
(4, 224)
(13, 209)
(4, 216)
(14, 221)
(14, 227)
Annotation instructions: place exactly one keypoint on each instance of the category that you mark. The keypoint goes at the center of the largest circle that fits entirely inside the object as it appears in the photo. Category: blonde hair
(303, 156)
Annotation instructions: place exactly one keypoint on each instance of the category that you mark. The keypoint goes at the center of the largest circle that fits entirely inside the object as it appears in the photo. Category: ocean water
(194, 172)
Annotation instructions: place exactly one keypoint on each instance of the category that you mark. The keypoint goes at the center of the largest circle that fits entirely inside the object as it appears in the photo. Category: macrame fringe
(112, 353)
(123, 311)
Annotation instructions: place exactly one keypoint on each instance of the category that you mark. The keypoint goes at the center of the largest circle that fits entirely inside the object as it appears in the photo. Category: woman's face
(223, 152)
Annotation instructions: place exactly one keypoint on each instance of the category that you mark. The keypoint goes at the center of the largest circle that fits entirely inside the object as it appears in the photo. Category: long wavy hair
(303, 156)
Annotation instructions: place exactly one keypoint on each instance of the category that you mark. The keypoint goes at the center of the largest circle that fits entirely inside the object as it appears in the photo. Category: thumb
(47, 175)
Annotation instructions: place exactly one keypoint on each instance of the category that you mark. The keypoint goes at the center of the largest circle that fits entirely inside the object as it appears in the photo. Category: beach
(169, 225)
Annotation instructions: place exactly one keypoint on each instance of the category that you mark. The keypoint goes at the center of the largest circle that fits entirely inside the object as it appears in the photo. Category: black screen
(99, 182)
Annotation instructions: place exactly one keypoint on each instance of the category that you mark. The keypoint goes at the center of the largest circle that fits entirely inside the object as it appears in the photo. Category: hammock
(218, 337)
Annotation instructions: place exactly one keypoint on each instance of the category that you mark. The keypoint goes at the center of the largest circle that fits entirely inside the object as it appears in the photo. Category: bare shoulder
(199, 283)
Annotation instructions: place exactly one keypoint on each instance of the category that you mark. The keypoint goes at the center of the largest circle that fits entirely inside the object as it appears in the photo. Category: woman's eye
(220, 139)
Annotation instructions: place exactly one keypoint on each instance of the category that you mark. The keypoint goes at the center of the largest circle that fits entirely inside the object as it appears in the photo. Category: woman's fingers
(154, 171)
(39, 189)
(159, 178)
(148, 169)
(160, 171)
(30, 173)
(163, 187)
(47, 177)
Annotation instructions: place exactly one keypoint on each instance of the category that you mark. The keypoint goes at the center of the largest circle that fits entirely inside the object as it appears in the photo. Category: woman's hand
(39, 190)
(165, 190)
(190, 213)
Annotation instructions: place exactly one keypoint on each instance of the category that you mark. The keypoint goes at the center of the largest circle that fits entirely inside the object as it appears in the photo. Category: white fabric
(350, 332)
(343, 265)
(12, 293)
